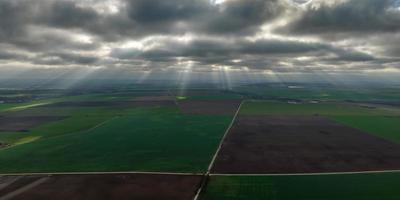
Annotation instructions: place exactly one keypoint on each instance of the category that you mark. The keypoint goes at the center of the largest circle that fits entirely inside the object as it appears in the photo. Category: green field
(141, 139)
(384, 126)
(382, 186)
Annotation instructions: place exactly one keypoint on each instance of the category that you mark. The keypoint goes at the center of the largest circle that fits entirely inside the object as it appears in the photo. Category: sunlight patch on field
(27, 140)
(26, 106)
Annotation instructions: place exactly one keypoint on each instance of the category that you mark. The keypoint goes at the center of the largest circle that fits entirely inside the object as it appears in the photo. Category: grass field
(318, 187)
(385, 126)
(143, 139)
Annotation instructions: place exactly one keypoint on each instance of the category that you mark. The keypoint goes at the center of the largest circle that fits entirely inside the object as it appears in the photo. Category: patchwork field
(380, 125)
(168, 131)
(302, 144)
(378, 120)
(142, 139)
(98, 187)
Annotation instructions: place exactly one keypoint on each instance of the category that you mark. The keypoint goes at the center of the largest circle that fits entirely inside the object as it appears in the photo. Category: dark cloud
(64, 59)
(257, 54)
(139, 18)
(219, 47)
(366, 16)
(144, 17)
(237, 16)
(67, 14)
(174, 33)
(14, 16)
(157, 11)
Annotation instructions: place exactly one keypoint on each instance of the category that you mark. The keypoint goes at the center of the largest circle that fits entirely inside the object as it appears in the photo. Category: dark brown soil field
(110, 186)
(212, 107)
(8, 123)
(272, 144)
(10, 184)
(112, 103)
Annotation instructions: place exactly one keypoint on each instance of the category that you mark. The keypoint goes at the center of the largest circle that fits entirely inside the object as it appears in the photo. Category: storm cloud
(259, 35)
(366, 16)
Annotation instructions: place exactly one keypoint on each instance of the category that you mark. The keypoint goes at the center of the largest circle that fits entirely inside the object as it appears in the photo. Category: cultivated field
(210, 107)
(379, 120)
(137, 139)
(164, 144)
(98, 187)
(19, 124)
(382, 186)
(302, 144)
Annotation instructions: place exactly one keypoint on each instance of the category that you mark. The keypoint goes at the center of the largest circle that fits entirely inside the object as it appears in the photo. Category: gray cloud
(220, 47)
(366, 16)
(258, 54)
(176, 33)
(139, 18)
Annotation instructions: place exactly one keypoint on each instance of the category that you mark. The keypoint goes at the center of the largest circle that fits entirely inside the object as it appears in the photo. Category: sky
(243, 36)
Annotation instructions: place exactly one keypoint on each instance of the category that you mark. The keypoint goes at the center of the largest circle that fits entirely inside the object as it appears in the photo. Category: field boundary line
(207, 174)
(224, 137)
(101, 173)
(314, 174)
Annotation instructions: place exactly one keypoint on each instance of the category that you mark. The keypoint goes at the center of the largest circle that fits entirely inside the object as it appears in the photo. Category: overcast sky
(269, 36)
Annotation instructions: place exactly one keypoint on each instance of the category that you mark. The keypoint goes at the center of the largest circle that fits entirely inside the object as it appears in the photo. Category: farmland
(315, 187)
(136, 142)
(265, 145)
(379, 120)
(106, 186)
(140, 139)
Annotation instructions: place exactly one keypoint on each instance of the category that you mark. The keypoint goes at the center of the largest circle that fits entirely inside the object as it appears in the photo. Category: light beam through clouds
(243, 36)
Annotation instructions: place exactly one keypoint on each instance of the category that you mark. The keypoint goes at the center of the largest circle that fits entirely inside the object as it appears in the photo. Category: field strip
(23, 189)
(313, 174)
(223, 137)
(207, 174)
(101, 173)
